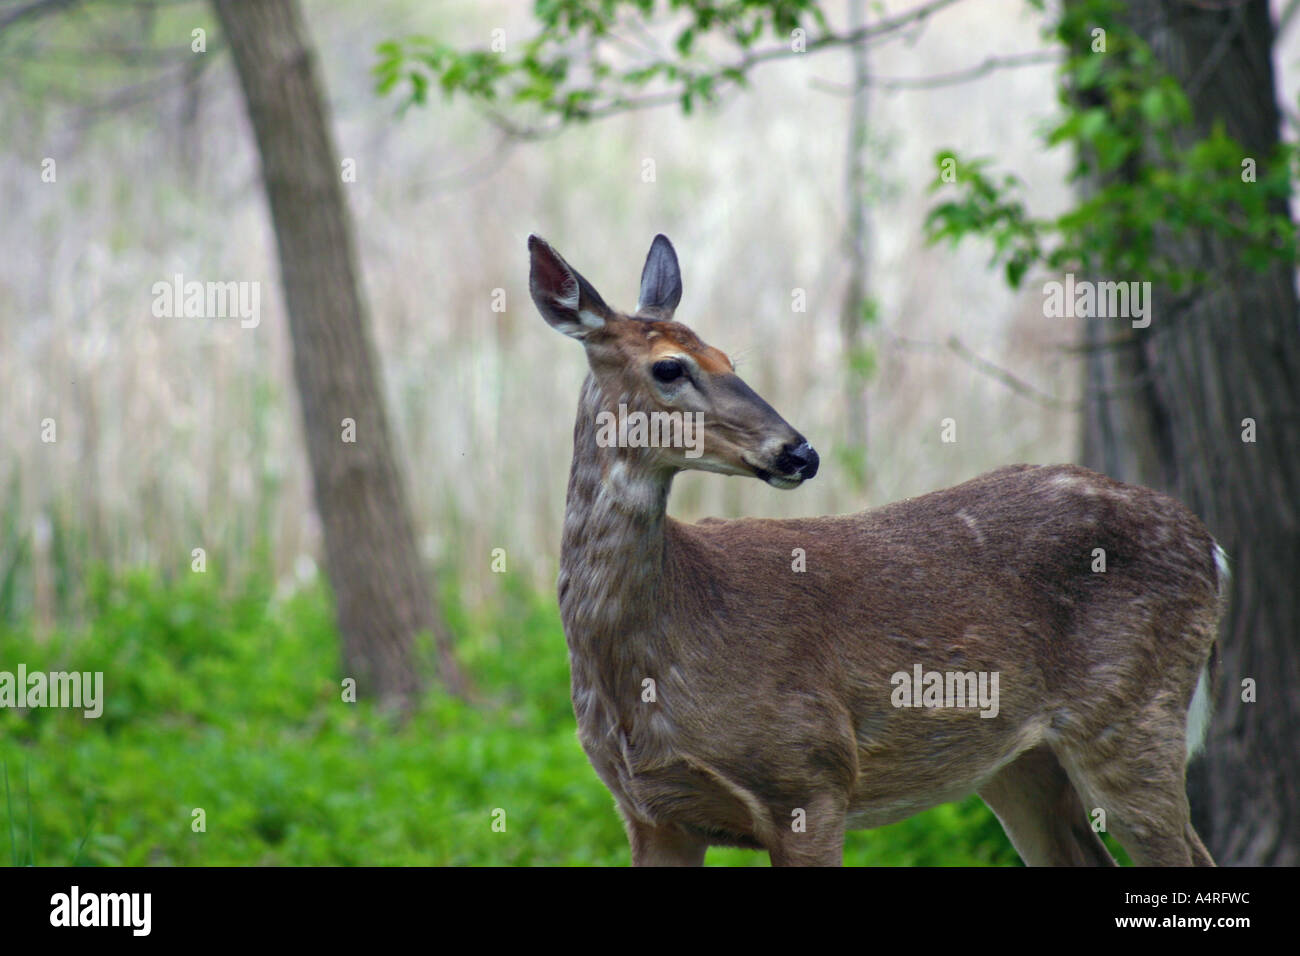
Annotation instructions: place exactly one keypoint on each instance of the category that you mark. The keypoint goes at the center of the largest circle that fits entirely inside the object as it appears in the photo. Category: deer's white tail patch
(1221, 566)
(1198, 715)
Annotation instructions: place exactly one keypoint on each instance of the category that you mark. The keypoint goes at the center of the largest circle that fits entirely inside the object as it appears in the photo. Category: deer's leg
(664, 845)
(813, 837)
(1041, 813)
(1152, 823)
(1142, 787)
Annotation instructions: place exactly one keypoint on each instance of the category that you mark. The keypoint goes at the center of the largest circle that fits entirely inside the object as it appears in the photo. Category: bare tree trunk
(1231, 353)
(383, 597)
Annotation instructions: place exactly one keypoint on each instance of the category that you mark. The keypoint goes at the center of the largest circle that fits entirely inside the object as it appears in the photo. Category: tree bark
(1230, 353)
(383, 598)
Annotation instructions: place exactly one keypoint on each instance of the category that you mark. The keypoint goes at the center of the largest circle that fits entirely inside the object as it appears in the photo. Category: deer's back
(1051, 542)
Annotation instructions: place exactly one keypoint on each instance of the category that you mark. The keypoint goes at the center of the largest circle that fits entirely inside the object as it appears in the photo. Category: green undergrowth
(229, 713)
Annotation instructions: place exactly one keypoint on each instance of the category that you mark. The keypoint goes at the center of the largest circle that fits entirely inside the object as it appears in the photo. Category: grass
(224, 740)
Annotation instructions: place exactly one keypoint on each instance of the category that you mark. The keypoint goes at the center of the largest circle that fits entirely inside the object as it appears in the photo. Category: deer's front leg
(664, 845)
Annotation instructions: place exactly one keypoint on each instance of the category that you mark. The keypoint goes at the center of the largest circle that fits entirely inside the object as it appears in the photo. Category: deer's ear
(566, 300)
(661, 281)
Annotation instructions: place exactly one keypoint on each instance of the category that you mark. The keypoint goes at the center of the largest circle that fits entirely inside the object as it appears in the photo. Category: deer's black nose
(798, 459)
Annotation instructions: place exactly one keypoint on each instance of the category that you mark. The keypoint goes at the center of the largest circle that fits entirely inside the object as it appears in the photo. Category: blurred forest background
(223, 687)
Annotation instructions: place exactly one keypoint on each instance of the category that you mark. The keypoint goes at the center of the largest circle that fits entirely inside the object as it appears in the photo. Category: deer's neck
(612, 556)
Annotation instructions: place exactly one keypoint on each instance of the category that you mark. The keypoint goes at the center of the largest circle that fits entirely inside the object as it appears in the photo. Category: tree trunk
(383, 597)
(1231, 353)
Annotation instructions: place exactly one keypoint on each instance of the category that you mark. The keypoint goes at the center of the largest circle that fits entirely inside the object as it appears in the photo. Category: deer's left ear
(567, 301)
(661, 281)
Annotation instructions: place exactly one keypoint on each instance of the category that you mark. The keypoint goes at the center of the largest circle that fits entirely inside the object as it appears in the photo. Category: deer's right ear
(566, 300)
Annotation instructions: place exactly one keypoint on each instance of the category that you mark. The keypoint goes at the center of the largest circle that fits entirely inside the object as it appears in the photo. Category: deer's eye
(669, 370)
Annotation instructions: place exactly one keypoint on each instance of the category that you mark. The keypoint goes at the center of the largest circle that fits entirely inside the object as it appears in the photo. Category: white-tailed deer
(1042, 636)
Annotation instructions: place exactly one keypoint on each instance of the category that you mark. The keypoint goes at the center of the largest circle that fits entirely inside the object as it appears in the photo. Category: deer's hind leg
(1140, 782)
(1041, 813)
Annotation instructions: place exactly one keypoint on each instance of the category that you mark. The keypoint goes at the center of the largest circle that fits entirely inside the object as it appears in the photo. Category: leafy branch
(1144, 178)
(580, 67)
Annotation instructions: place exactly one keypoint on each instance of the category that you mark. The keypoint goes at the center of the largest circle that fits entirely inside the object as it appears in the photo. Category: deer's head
(647, 363)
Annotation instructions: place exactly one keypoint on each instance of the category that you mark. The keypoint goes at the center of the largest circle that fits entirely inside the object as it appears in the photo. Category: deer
(773, 683)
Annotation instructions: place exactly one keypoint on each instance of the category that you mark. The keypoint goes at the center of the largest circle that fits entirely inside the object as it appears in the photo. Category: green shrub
(233, 706)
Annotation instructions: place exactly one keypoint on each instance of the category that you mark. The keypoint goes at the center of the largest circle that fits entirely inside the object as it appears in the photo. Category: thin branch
(874, 31)
(738, 68)
(612, 108)
(866, 32)
(981, 69)
(632, 103)
(1016, 384)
